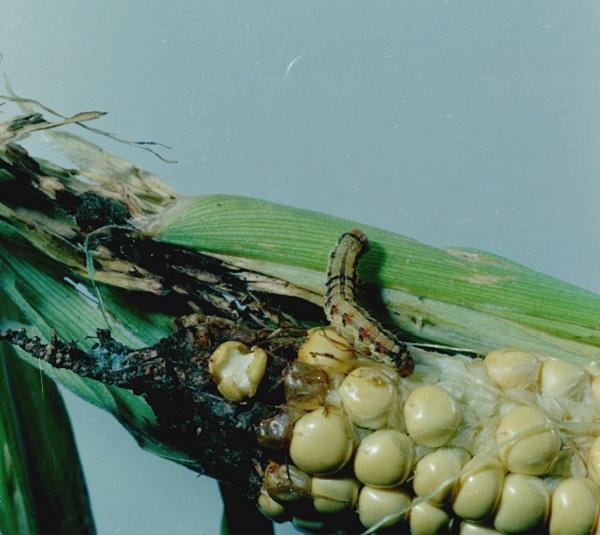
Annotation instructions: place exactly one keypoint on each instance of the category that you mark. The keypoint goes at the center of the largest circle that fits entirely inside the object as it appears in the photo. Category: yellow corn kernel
(384, 459)
(527, 453)
(524, 504)
(560, 379)
(432, 416)
(427, 519)
(322, 441)
(467, 528)
(511, 369)
(575, 504)
(376, 504)
(333, 495)
(368, 395)
(437, 474)
(478, 489)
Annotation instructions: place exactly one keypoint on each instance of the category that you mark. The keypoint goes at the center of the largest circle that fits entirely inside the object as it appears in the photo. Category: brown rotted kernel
(275, 433)
(305, 385)
(286, 482)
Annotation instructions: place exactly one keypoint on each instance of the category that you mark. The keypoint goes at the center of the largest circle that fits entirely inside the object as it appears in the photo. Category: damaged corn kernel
(274, 433)
(286, 483)
(325, 348)
(237, 370)
(270, 508)
(305, 385)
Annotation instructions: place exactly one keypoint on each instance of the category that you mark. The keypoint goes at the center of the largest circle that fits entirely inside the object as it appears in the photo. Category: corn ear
(531, 433)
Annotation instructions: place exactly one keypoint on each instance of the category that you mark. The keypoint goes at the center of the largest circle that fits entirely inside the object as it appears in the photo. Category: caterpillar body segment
(349, 319)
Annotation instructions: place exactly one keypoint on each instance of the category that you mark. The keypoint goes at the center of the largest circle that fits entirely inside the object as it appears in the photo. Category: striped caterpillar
(349, 319)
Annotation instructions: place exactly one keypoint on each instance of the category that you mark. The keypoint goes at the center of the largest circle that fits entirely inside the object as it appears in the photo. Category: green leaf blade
(42, 489)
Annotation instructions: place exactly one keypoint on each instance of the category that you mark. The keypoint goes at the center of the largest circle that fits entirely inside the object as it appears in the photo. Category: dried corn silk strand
(348, 318)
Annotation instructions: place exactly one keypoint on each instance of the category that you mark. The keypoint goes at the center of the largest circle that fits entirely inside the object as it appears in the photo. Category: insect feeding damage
(226, 440)
(348, 318)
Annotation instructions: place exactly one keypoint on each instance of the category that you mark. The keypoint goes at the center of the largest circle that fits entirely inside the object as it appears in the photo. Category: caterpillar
(351, 321)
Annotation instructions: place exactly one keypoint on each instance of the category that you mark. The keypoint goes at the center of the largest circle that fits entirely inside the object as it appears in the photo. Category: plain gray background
(471, 123)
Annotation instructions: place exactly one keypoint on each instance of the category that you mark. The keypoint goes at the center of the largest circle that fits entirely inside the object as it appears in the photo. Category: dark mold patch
(95, 212)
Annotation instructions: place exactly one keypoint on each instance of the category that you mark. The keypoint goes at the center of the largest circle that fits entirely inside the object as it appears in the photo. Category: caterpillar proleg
(348, 318)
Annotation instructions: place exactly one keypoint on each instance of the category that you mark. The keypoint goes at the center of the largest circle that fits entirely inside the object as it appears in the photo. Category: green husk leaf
(453, 296)
(42, 489)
